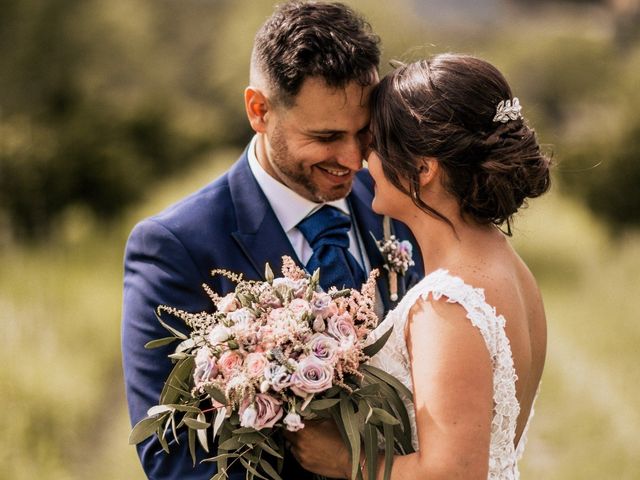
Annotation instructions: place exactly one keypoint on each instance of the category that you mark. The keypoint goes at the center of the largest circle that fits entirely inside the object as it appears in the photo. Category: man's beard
(292, 173)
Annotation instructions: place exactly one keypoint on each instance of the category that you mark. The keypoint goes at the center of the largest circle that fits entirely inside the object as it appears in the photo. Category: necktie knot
(327, 231)
(328, 225)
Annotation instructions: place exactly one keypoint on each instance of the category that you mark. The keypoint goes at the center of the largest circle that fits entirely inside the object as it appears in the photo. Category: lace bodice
(394, 359)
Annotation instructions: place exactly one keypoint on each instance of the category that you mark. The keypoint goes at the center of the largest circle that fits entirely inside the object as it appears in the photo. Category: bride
(453, 158)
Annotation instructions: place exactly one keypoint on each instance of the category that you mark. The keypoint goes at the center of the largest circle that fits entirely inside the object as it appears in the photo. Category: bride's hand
(319, 448)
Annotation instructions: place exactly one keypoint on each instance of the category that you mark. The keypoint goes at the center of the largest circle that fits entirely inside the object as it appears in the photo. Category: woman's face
(388, 199)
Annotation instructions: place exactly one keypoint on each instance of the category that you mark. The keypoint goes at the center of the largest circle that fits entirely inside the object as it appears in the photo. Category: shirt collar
(290, 207)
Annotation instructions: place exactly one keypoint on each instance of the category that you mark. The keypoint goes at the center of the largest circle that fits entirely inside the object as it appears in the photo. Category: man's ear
(257, 107)
(429, 170)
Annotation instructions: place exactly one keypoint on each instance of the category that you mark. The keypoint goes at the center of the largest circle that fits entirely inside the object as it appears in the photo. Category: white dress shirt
(291, 208)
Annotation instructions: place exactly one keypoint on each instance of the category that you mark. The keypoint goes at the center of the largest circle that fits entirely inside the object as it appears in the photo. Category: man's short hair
(314, 39)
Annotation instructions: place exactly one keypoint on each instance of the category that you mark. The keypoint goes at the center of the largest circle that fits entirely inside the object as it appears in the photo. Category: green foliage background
(112, 109)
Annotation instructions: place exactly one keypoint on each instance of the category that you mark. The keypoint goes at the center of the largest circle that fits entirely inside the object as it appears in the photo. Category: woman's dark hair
(315, 39)
(444, 108)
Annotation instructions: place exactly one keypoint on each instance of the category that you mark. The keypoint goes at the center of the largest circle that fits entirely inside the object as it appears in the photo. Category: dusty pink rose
(322, 305)
(255, 364)
(312, 376)
(323, 347)
(229, 362)
(264, 412)
(341, 328)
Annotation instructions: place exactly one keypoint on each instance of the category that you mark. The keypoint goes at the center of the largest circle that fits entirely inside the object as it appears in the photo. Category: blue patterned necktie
(327, 231)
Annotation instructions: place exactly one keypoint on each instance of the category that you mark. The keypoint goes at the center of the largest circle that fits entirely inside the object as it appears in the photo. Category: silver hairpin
(508, 110)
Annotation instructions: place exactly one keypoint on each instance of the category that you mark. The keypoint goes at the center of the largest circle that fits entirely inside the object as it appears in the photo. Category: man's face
(316, 146)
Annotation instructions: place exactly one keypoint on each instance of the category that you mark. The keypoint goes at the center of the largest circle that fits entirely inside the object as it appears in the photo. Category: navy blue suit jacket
(228, 224)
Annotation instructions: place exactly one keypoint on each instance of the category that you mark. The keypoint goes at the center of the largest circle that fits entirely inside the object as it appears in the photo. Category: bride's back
(511, 288)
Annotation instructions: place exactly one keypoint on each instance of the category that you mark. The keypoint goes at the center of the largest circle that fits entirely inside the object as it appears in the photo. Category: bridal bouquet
(274, 355)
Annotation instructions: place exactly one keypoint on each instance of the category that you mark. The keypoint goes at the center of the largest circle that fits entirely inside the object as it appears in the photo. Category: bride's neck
(443, 244)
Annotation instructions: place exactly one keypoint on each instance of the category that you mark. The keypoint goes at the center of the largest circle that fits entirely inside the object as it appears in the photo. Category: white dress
(393, 358)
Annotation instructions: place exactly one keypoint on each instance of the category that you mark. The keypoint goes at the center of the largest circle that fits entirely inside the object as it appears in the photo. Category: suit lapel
(259, 234)
(369, 223)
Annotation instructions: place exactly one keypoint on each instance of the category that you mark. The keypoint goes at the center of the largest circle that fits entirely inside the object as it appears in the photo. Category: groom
(294, 191)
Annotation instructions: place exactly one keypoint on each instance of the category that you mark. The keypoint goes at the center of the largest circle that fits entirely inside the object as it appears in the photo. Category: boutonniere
(397, 256)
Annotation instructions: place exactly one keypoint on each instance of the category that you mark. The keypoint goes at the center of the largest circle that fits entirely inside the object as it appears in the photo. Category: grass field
(63, 401)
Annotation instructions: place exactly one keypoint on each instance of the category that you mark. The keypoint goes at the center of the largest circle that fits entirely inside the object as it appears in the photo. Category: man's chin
(336, 192)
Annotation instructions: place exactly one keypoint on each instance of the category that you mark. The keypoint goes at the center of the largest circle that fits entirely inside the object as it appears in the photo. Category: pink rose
(229, 362)
(322, 305)
(255, 364)
(264, 412)
(341, 328)
(312, 376)
(323, 347)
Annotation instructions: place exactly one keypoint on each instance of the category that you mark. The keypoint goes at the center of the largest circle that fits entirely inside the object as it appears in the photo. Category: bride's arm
(453, 395)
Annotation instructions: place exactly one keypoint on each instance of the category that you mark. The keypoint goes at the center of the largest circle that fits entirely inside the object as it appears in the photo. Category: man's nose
(353, 154)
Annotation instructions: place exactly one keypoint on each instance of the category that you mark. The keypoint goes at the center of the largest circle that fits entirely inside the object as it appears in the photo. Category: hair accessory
(508, 110)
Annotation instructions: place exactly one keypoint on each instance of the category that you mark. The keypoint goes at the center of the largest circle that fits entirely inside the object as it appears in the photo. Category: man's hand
(319, 448)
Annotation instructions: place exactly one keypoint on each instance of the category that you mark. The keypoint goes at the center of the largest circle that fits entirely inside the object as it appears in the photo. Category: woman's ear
(257, 107)
(429, 169)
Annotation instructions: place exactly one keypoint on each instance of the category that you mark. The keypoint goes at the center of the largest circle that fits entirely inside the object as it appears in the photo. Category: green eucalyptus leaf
(350, 422)
(178, 356)
(241, 430)
(202, 433)
(175, 332)
(371, 450)
(195, 424)
(160, 342)
(269, 470)
(221, 456)
(251, 468)
(192, 445)
(185, 408)
(267, 448)
(389, 379)
(231, 443)
(173, 427)
(371, 350)
(216, 394)
(145, 428)
(163, 443)
(250, 438)
(185, 345)
(158, 409)
(385, 417)
(217, 420)
(371, 390)
(324, 403)
(180, 374)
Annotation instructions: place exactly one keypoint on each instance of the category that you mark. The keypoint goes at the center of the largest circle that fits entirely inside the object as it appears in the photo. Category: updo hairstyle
(444, 107)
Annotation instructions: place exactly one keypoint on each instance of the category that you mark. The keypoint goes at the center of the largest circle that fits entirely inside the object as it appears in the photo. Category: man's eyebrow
(325, 132)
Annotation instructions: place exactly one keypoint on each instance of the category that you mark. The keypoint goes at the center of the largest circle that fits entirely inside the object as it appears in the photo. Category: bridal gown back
(394, 359)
